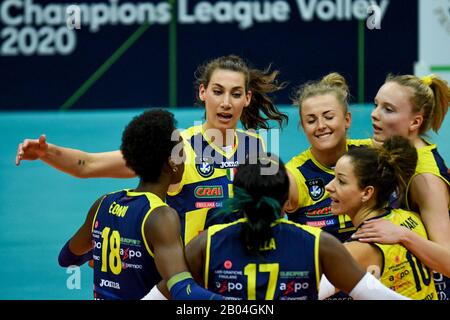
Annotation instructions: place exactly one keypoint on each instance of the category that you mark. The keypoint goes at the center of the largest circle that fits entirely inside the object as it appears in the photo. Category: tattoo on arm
(81, 162)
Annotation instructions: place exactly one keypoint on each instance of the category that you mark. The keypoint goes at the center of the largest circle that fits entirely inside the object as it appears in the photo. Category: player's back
(123, 262)
(286, 266)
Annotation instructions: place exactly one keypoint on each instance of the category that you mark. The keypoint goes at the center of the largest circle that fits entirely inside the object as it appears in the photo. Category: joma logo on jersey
(109, 284)
(316, 188)
(229, 164)
(208, 192)
(117, 209)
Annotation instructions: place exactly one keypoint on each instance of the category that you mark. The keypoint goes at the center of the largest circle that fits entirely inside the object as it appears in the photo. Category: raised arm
(74, 162)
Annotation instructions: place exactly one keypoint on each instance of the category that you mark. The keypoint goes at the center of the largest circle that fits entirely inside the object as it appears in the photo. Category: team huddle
(212, 219)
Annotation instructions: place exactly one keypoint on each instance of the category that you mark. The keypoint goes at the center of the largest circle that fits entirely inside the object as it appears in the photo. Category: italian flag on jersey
(230, 173)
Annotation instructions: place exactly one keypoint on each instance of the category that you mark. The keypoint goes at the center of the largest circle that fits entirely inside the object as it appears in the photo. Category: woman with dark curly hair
(132, 235)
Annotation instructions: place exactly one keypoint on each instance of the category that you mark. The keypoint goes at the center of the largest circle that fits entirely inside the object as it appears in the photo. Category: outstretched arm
(74, 162)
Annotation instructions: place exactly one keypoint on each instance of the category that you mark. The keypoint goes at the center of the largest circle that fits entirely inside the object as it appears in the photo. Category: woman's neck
(226, 136)
(365, 213)
(418, 142)
(328, 158)
(415, 140)
(158, 188)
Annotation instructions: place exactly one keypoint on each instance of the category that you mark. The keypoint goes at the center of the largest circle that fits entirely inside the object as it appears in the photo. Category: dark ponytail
(260, 198)
(387, 168)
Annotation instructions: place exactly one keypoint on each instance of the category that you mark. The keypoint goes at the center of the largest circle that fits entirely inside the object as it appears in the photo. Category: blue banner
(138, 54)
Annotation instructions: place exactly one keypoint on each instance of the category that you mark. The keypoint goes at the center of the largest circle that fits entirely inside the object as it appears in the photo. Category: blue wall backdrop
(116, 60)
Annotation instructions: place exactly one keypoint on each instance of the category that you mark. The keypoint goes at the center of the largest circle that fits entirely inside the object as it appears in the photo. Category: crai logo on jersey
(316, 188)
(205, 166)
(208, 192)
(322, 212)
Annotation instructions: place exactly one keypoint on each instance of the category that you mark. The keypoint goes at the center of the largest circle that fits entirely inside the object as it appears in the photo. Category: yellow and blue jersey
(208, 178)
(314, 202)
(276, 273)
(124, 267)
(430, 161)
(401, 270)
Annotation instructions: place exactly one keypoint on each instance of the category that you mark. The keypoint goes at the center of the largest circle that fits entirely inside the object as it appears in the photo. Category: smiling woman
(325, 119)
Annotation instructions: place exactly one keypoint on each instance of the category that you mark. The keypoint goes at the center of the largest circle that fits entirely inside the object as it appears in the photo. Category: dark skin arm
(195, 256)
(81, 242)
(162, 232)
(337, 263)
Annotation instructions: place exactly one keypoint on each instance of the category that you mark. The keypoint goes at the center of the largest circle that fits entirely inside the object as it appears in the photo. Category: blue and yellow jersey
(313, 207)
(430, 161)
(208, 178)
(401, 270)
(276, 273)
(123, 262)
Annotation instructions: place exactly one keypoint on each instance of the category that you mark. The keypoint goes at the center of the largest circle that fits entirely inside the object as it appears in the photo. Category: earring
(175, 170)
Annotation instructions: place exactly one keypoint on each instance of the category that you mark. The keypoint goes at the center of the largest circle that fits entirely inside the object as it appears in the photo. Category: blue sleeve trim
(67, 258)
(188, 289)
